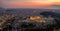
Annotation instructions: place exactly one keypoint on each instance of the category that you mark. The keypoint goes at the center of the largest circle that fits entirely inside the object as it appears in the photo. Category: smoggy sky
(30, 3)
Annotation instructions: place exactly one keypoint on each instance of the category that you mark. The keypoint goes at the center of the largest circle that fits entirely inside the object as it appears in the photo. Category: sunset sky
(30, 3)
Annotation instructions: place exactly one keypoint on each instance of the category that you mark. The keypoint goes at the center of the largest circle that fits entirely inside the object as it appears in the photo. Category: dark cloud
(56, 6)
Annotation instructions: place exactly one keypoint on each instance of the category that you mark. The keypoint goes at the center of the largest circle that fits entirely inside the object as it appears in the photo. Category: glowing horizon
(29, 3)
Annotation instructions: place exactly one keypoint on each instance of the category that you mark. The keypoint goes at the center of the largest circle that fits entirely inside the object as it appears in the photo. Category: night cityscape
(29, 19)
(29, 15)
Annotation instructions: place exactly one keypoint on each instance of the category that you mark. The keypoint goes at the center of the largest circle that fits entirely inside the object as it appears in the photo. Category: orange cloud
(30, 4)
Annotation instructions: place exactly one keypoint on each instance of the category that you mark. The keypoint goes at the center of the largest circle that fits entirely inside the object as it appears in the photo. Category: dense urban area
(29, 19)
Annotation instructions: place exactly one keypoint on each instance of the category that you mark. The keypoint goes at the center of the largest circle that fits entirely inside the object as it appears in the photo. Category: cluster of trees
(56, 17)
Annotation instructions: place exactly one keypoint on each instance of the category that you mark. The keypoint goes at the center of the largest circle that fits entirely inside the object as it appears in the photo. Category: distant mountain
(57, 11)
(53, 14)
